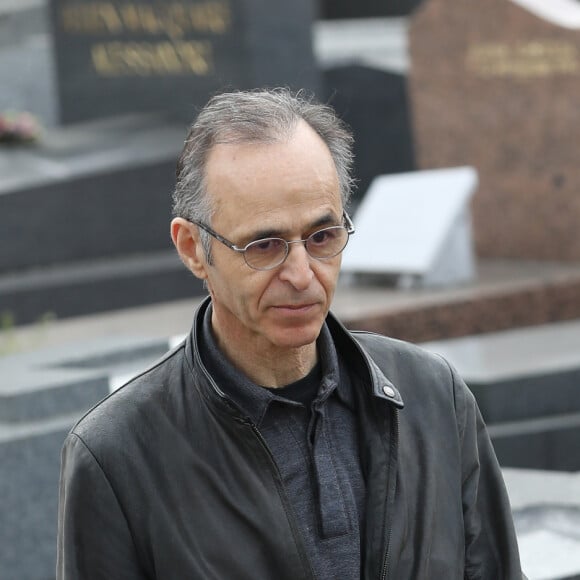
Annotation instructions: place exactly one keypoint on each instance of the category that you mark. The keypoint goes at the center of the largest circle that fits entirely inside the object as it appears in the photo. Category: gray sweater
(310, 427)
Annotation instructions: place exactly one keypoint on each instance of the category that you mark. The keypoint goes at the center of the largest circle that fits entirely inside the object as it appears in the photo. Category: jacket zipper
(278, 479)
(393, 446)
(282, 494)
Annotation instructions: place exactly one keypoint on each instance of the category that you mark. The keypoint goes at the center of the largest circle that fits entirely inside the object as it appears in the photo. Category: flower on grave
(18, 128)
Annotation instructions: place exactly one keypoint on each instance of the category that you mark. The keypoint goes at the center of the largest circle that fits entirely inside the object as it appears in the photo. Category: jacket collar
(381, 386)
(347, 348)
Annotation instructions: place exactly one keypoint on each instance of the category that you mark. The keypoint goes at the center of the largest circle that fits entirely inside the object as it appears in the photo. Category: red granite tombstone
(496, 86)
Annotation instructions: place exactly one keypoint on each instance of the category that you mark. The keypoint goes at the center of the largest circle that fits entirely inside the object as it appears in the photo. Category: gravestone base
(29, 491)
(84, 220)
(42, 395)
(505, 294)
(525, 382)
(95, 286)
(534, 421)
(525, 379)
(539, 445)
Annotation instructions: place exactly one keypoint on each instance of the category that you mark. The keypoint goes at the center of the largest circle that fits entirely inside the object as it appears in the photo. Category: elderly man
(273, 443)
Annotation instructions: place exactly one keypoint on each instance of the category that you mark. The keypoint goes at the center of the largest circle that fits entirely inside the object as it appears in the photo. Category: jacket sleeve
(491, 550)
(94, 540)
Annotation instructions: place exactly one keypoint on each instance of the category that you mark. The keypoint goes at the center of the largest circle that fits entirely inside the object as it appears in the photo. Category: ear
(185, 236)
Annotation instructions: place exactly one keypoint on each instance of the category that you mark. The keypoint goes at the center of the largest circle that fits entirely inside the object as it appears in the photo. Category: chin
(296, 337)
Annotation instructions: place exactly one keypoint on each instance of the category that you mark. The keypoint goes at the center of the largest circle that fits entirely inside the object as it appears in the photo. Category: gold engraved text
(152, 58)
(534, 59)
(173, 19)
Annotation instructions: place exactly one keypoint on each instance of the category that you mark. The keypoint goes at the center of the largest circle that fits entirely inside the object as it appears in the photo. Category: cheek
(263, 290)
(327, 276)
(244, 292)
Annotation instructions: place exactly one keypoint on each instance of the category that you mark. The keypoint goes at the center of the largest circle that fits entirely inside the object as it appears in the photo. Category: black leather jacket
(166, 479)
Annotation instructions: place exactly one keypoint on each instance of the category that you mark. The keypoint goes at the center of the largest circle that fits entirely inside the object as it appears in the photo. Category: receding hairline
(247, 131)
(261, 117)
(274, 138)
(262, 144)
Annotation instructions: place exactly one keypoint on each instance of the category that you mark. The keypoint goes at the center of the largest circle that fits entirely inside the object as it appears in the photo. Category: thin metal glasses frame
(348, 226)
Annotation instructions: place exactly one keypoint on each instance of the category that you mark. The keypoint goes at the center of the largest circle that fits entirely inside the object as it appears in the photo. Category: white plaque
(415, 226)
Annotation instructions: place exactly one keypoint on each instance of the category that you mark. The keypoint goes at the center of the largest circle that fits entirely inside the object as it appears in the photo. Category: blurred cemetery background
(466, 121)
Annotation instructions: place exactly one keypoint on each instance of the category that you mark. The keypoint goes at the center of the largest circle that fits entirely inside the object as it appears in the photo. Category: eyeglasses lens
(266, 253)
(327, 243)
(271, 252)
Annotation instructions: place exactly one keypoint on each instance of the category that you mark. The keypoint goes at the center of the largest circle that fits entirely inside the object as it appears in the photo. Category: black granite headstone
(374, 104)
(338, 9)
(525, 382)
(124, 56)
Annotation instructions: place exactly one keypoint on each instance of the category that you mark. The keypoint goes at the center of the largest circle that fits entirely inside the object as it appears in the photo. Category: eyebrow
(325, 220)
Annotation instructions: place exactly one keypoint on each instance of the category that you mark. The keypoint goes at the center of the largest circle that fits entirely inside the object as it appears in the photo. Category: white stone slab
(565, 13)
(380, 43)
(416, 225)
(530, 487)
(546, 555)
(516, 353)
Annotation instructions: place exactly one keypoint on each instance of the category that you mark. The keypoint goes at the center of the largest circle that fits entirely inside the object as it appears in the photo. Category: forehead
(277, 176)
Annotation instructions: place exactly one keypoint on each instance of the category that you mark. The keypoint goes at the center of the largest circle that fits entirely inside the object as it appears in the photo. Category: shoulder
(133, 408)
(418, 374)
(404, 364)
(398, 355)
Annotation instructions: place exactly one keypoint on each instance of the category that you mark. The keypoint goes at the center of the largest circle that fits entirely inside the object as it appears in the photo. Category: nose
(296, 269)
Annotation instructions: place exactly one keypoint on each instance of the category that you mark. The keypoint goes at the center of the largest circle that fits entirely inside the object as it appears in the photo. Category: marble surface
(505, 294)
(515, 353)
(546, 509)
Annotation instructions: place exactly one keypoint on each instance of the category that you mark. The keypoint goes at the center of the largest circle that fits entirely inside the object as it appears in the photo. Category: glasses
(269, 253)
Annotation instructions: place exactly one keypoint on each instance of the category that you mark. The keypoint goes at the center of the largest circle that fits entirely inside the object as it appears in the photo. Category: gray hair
(261, 116)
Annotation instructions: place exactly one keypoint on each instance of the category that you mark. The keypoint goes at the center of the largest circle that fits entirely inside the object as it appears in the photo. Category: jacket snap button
(388, 391)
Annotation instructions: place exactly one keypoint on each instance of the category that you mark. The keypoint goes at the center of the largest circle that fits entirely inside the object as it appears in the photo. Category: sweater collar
(251, 399)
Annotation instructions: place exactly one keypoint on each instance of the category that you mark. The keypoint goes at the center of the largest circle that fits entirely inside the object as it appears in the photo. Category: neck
(270, 367)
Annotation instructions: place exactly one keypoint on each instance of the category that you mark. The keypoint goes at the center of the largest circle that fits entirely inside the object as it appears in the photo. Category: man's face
(288, 190)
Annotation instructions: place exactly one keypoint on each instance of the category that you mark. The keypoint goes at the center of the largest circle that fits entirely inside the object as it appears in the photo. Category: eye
(323, 237)
(266, 246)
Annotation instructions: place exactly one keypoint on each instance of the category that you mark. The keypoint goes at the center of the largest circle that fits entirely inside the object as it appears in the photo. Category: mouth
(295, 308)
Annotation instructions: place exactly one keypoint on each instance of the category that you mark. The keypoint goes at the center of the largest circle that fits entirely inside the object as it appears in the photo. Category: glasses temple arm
(349, 225)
